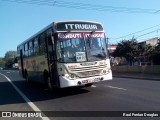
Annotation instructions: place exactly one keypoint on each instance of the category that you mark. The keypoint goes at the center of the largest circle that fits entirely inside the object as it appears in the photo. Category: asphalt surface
(120, 94)
(142, 76)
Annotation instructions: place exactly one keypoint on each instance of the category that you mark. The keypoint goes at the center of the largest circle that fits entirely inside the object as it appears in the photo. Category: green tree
(9, 62)
(157, 48)
(146, 51)
(10, 58)
(10, 54)
(2, 62)
(156, 56)
(127, 49)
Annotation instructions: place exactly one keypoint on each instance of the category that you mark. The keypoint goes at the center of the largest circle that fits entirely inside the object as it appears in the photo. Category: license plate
(91, 81)
(88, 81)
(97, 79)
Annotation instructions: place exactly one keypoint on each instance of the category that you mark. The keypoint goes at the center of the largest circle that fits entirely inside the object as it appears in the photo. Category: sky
(19, 20)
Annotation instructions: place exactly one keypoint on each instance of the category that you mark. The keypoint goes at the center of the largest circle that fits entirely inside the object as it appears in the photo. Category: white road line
(32, 105)
(115, 87)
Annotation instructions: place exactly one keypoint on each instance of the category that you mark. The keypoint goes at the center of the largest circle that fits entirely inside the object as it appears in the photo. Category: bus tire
(47, 81)
(49, 84)
(27, 77)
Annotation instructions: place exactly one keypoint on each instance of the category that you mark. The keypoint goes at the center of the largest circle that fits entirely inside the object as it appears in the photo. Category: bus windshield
(81, 47)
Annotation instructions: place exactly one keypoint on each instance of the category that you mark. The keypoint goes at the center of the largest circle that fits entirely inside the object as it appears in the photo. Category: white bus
(66, 54)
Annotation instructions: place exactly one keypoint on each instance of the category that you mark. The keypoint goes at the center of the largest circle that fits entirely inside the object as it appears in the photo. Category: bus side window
(36, 47)
(18, 52)
(22, 48)
(31, 48)
(26, 50)
(49, 39)
(42, 46)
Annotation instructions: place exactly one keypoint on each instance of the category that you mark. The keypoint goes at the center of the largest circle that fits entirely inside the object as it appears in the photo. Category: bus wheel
(49, 85)
(27, 78)
(47, 81)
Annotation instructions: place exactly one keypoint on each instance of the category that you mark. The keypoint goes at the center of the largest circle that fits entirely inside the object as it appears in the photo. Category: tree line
(131, 49)
(9, 59)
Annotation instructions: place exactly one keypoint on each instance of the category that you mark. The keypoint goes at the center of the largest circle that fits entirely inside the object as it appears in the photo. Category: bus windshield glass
(81, 47)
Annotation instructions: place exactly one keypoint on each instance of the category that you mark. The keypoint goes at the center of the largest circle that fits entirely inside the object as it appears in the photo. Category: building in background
(147, 59)
(152, 41)
(111, 49)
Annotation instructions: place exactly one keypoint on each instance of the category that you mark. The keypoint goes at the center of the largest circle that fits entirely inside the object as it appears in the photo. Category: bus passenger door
(51, 59)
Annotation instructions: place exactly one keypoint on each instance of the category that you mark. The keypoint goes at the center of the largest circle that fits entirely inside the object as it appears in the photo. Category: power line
(85, 6)
(142, 34)
(148, 33)
(136, 32)
(104, 8)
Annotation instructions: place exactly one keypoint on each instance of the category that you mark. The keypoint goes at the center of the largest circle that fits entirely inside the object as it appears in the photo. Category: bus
(66, 54)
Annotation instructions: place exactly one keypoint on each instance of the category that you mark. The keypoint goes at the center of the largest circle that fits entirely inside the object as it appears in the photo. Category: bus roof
(71, 26)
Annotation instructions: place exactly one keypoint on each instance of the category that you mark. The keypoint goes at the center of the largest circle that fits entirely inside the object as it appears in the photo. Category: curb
(141, 78)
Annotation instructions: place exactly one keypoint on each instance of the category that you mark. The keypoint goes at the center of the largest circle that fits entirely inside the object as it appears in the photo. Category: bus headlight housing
(71, 76)
(105, 71)
(66, 75)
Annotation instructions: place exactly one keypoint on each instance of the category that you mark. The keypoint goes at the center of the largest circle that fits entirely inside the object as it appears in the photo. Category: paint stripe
(115, 87)
(32, 105)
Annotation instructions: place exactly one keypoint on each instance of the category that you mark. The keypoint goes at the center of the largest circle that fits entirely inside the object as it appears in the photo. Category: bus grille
(88, 73)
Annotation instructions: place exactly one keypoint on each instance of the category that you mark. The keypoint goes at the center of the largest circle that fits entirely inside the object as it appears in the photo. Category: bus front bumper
(65, 82)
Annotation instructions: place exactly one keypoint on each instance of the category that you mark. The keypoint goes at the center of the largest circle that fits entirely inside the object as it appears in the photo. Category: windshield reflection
(73, 47)
(96, 49)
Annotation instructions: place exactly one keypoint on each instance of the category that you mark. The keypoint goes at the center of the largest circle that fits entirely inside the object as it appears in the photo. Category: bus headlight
(105, 72)
(71, 76)
(66, 75)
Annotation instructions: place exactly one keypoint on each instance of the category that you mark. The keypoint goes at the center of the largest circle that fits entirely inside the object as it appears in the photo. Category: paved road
(120, 94)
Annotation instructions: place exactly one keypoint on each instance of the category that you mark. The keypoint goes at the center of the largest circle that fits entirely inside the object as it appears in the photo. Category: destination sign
(81, 35)
(81, 26)
(78, 26)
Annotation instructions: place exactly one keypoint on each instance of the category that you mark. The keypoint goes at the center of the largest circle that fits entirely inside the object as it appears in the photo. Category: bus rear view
(76, 55)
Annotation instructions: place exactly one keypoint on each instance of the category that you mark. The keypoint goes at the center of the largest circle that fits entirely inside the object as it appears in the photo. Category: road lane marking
(115, 87)
(31, 104)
